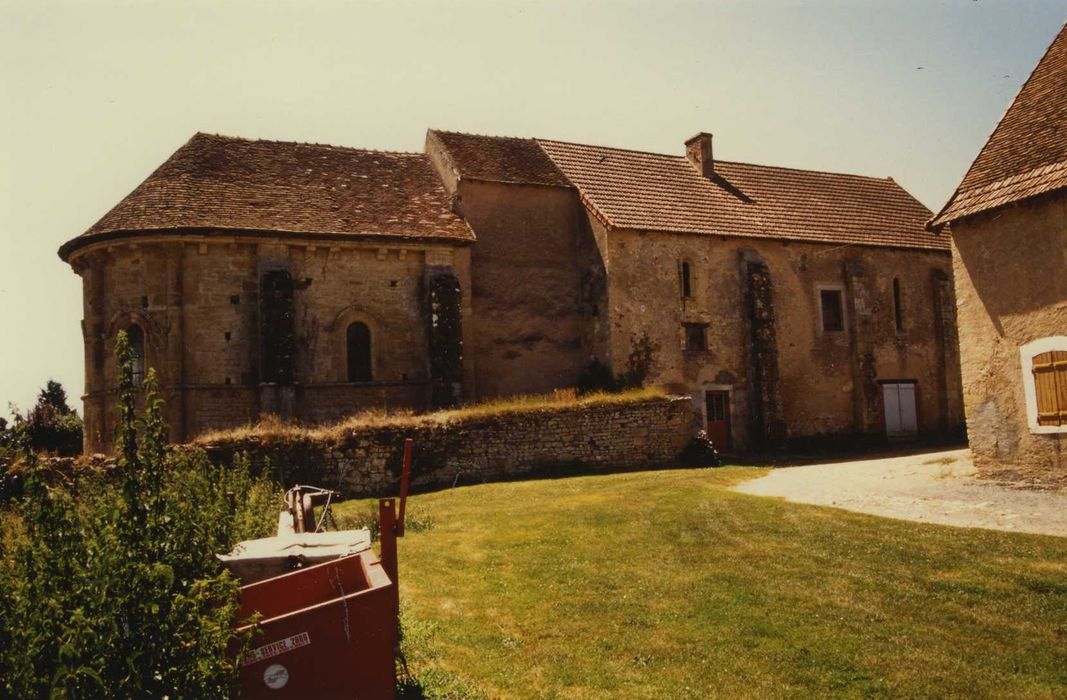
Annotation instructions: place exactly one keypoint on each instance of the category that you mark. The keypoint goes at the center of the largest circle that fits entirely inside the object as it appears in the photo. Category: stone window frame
(691, 325)
(685, 280)
(897, 290)
(138, 352)
(348, 352)
(1027, 353)
(836, 287)
(345, 318)
(121, 321)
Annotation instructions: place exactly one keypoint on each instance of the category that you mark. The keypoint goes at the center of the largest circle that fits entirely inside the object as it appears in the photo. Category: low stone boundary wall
(366, 461)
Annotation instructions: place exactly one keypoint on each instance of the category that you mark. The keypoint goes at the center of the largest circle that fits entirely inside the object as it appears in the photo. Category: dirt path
(936, 487)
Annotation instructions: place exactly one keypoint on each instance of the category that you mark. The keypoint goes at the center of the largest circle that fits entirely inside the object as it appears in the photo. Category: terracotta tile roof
(1027, 153)
(500, 159)
(634, 189)
(218, 182)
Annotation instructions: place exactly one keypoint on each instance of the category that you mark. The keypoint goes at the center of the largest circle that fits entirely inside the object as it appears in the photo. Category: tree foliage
(51, 426)
(112, 589)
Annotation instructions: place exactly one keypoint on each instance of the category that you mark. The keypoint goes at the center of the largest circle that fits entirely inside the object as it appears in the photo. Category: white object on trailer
(255, 560)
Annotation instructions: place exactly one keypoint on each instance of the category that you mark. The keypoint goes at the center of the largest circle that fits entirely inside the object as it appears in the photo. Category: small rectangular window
(696, 336)
(1050, 384)
(833, 313)
(686, 279)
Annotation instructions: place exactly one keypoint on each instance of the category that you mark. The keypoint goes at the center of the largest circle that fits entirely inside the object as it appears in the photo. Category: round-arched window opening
(357, 342)
(135, 338)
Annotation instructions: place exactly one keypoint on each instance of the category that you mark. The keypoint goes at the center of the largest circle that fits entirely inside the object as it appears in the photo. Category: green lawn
(668, 585)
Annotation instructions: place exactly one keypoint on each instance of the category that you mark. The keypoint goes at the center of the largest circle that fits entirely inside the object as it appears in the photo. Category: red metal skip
(329, 630)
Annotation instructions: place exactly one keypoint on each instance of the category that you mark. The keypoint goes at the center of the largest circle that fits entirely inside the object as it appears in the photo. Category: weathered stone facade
(311, 282)
(1006, 302)
(198, 300)
(527, 317)
(789, 381)
(558, 286)
(1008, 222)
(366, 461)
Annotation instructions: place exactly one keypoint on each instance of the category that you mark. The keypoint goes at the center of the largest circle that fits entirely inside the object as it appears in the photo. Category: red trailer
(330, 630)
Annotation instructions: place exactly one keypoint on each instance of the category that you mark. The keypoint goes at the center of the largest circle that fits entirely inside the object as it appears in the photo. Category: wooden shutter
(1050, 384)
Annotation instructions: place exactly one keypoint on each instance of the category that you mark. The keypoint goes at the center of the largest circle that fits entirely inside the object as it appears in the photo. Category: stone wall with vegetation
(363, 458)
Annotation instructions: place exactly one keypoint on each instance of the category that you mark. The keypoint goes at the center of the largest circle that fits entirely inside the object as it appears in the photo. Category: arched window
(686, 281)
(357, 339)
(135, 337)
(898, 305)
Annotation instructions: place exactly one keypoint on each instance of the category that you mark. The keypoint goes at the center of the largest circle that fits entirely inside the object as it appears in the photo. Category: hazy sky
(95, 95)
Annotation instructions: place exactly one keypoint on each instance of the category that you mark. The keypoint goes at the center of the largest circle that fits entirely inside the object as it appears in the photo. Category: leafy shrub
(700, 452)
(113, 590)
(51, 426)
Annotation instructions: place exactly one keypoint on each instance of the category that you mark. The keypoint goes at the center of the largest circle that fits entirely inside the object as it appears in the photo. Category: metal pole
(405, 480)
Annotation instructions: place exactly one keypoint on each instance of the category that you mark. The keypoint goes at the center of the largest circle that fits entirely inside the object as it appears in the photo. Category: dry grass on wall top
(271, 429)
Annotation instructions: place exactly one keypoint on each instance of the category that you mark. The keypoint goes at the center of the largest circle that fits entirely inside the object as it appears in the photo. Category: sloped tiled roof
(500, 159)
(225, 183)
(1026, 155)
(634, 189)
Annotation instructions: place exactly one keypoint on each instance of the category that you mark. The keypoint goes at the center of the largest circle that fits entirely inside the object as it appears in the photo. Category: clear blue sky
(96, 94)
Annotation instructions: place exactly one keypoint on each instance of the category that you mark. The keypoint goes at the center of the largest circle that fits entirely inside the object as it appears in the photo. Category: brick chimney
(698, 151)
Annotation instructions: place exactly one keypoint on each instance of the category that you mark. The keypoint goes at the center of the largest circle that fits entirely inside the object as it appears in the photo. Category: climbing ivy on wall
(446, 337)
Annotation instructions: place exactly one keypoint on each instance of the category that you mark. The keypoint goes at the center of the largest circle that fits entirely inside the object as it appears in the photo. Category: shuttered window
(1050, 384)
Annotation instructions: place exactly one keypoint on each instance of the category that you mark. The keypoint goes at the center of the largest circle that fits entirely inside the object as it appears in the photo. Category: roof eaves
(940, 220)
(476, 178)
(74, 244)
(776, 236)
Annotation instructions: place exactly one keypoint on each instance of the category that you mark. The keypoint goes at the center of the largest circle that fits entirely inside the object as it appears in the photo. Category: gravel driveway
(935, 487)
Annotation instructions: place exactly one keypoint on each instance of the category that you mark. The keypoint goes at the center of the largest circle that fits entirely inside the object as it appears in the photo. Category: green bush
(112, 589)
(51, 426)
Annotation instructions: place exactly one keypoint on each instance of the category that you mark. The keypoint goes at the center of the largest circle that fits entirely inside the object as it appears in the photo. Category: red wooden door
(718, 407)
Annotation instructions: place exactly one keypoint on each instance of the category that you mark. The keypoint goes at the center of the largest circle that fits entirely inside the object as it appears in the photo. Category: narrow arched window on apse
(135, 337)
(686, 280)
(357, 339)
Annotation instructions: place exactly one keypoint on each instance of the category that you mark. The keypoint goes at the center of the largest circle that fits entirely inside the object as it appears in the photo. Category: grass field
(668, 585)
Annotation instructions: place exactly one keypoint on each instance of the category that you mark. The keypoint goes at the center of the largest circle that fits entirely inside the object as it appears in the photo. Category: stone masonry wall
(828, 382)
(197, 301)
(1011, 288)
(361, 462)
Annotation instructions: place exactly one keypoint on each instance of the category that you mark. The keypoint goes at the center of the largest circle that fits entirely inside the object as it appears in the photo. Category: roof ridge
(482, 136)
(717, 160)
(245, 139)
(888, 178)
(610, 148)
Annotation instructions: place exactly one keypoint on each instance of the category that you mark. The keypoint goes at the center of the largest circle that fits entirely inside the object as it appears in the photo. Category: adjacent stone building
(1008, 223)
(795, 307)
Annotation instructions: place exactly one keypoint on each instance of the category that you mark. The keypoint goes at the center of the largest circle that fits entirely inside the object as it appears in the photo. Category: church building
(795, 307)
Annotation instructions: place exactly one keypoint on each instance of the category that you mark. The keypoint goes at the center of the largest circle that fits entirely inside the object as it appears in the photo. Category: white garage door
(899, 399)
